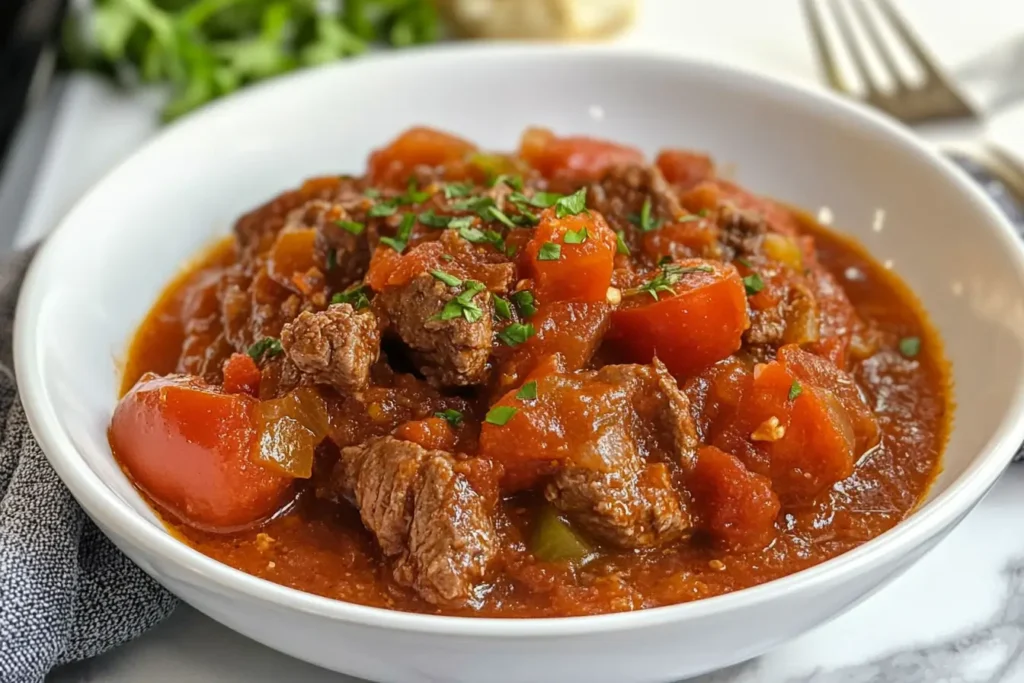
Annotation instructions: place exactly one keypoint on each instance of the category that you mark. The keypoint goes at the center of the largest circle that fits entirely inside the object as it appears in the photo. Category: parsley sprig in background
(209, 48)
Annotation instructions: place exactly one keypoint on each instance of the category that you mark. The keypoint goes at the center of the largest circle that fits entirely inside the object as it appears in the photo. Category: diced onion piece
(290, 429)
(784, 250)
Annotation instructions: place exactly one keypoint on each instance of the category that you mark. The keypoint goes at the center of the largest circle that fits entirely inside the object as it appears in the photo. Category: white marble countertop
(958, 615)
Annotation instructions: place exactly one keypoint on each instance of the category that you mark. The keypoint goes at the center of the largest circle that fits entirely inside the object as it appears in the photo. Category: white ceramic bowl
(103, 268)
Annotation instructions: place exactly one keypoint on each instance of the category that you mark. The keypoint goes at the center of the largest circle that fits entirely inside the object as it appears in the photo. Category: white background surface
(952, 591)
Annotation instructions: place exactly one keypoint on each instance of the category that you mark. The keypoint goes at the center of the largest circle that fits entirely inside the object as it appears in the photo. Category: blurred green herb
(209, 48)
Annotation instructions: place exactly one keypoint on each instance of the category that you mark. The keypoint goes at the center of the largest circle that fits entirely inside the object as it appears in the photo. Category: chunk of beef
(425, 515)
(451, 352)
(622, 191)
(336, 346)
(742, 231)
(610, 488)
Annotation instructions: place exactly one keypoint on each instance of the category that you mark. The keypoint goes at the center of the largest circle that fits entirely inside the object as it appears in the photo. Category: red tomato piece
(571, 270)
(189, 447)
(684, 169)
(737, 507)
(241, 375)
(392, 165)
(433, 433)
(579, 158)
(698, 323)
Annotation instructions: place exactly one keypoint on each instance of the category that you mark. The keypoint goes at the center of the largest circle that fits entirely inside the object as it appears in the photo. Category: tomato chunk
(241, 375)
(392, 165)
(571, 258)
(579, 158)
(698, 320)
(684, 169)
(736, 507)
(189, 447)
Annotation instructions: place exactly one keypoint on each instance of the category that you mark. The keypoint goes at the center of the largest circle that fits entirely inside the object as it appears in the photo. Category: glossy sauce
(323, 548)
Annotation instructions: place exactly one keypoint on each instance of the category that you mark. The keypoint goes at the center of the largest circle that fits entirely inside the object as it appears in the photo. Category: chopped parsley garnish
(511, 250)
(549, 251)
(412, 194)
(447, 257)
(354, 227)
(463, 304)
(669, 276)
(446, 278)
(498, 215)
(477, 205)
(703, 213)
(461, 222)
(745, 262)
(500, 415)
(666, 259)
(540, 200)
(502, 308)
(371, 192)
(513, 181)
(381, 209)
(910, 346)
(620, 243)
(689, 218)
(332, 259)
(753, 283)
(455, 190)
(452, 417)
(524, 218)
(644, 221)
(355, 296)
(516, 333)
(432, 220)
(528, 392)
(268, 347)
(478, 236)
(575, 236)
(572, 204)
(794, 390)
(401, 239)
(524, 302)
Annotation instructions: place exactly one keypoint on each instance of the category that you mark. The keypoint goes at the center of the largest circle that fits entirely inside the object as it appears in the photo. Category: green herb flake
(549, 251)
(794, 390)
(753, 283)
(525, 219)
(745, 262)
(500, 415)
(528, 392)
(371, 192)
(575, 236)
(382, 209)
(413, 195)
(671, 274)
(498, 215)
(664, 260)
(516, 333)
(268, 347)
(525, 302)
(513, 181)
(620, 243)
(463, 304)
(355, 296)
(478, 205)
(644, 221)
(539, 200)
(401, 239)
(432, 220)
(448, 258)
(452, 417)
(703, 213)
(502, 308)
(457, 190)
(572, 205)
(910, 346)
(446, 278)
(332, 259)
(353, 227)
(461, 223)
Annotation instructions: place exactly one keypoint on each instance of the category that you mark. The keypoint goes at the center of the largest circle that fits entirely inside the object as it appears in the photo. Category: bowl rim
(109, 511)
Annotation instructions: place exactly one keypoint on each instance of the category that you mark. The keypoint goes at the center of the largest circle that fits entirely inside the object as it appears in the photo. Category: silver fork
(932, 99)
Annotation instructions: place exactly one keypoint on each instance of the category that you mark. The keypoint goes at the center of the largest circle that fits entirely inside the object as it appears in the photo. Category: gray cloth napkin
(66, 593)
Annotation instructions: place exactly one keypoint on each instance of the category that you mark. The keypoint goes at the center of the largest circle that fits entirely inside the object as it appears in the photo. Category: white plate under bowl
(106, 263)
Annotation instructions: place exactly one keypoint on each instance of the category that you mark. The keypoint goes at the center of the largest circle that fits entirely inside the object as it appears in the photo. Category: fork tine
(860, 62)
(909, 39)
(821, 46)
(875, 36)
